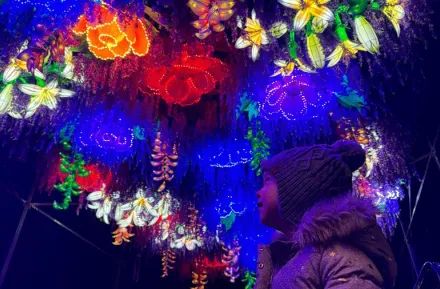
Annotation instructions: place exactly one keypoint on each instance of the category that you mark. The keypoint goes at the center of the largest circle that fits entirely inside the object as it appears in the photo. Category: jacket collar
(333, 219)
(337, 219)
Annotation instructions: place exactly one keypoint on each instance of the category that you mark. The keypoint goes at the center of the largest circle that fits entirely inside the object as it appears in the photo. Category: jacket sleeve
(345, 267)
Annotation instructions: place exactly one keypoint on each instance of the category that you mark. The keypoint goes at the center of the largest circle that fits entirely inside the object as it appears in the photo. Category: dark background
(47, 256)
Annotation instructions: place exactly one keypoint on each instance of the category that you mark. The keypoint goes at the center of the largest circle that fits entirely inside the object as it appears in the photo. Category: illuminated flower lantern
(109, 37)
(295, 97)
(192, 73)
(99, 176)
(231, 154)
(210, 13)
(107, 132)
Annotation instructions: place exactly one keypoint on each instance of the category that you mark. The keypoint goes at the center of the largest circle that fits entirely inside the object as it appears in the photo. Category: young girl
(332, 240)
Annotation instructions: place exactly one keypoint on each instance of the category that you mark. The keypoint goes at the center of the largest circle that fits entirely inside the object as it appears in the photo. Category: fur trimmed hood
(334, 219)
(345, 219)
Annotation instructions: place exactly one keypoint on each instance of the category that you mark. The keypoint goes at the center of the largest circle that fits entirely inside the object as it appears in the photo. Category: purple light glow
(295, 97)
(114, 136)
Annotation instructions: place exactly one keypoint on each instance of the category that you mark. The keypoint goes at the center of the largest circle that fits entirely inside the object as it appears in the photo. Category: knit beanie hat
(306, 175)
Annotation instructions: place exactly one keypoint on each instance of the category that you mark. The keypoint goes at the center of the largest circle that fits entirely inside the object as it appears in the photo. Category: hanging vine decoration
(163, 162)
(122, 235)
(199, 275)
(168, 260)
(230, 259)
(211, 13)
(259, 141)
(200, 279)
(191, 233)
(163, 209)
(260, 146)
(249, 279)
(247, 106)
(229, 219)
(313, 17)
(351, 97)
(73, 166)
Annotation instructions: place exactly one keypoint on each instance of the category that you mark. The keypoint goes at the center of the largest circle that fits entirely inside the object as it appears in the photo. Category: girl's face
(268, 202)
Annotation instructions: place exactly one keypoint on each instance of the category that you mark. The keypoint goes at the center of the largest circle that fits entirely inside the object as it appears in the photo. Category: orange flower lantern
(109, 38)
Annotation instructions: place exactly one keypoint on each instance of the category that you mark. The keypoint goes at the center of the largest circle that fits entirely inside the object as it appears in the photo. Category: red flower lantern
(192, 73)
(99, 176)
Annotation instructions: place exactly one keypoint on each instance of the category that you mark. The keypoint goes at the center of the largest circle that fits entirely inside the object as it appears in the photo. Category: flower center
(108, 40)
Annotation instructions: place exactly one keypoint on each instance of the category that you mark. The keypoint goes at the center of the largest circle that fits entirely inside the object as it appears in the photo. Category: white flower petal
(138, 220)
(95, 196)
(53, 84)
(264, 38)
(106, 220)
(242, 43)
(255, 52)
(179, 244)
(68, 71)
(190, 245)
(126, 207)
(280, 63)
(107, 206)
(34, 104)
(294, 4)
(51, 102)
(152, 212)
(6, 98)
(15, 114)
(39, 74)
(118, 213)
(153, 221)
(29, 113)
(11, 73)
(30, 89)
(93, 206)
(100, 212)
(127, 221)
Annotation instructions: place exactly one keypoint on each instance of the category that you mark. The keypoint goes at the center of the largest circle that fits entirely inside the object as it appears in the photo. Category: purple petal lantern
(299, 96)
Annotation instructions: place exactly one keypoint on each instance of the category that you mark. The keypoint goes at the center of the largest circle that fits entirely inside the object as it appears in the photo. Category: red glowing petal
(81, 26)
(129, 30)
(103, 53)
(142, 44)
(190, 99)
(122, 48)
(93, 39)
(192, 74)
(101, 15)
(175, 90)
(155, 78)
(202, 83)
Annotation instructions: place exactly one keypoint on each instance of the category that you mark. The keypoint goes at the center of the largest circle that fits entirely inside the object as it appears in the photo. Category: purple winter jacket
(338, 245)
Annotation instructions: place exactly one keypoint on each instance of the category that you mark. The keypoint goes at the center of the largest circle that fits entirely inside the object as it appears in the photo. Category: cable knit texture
(305, 175)
(337, 245)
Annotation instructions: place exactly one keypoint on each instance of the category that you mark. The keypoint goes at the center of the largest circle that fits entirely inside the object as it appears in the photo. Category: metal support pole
(35, 207)
(118, 275)
(27, 205)
(431, 156)
(68, 229)
(411, 254)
